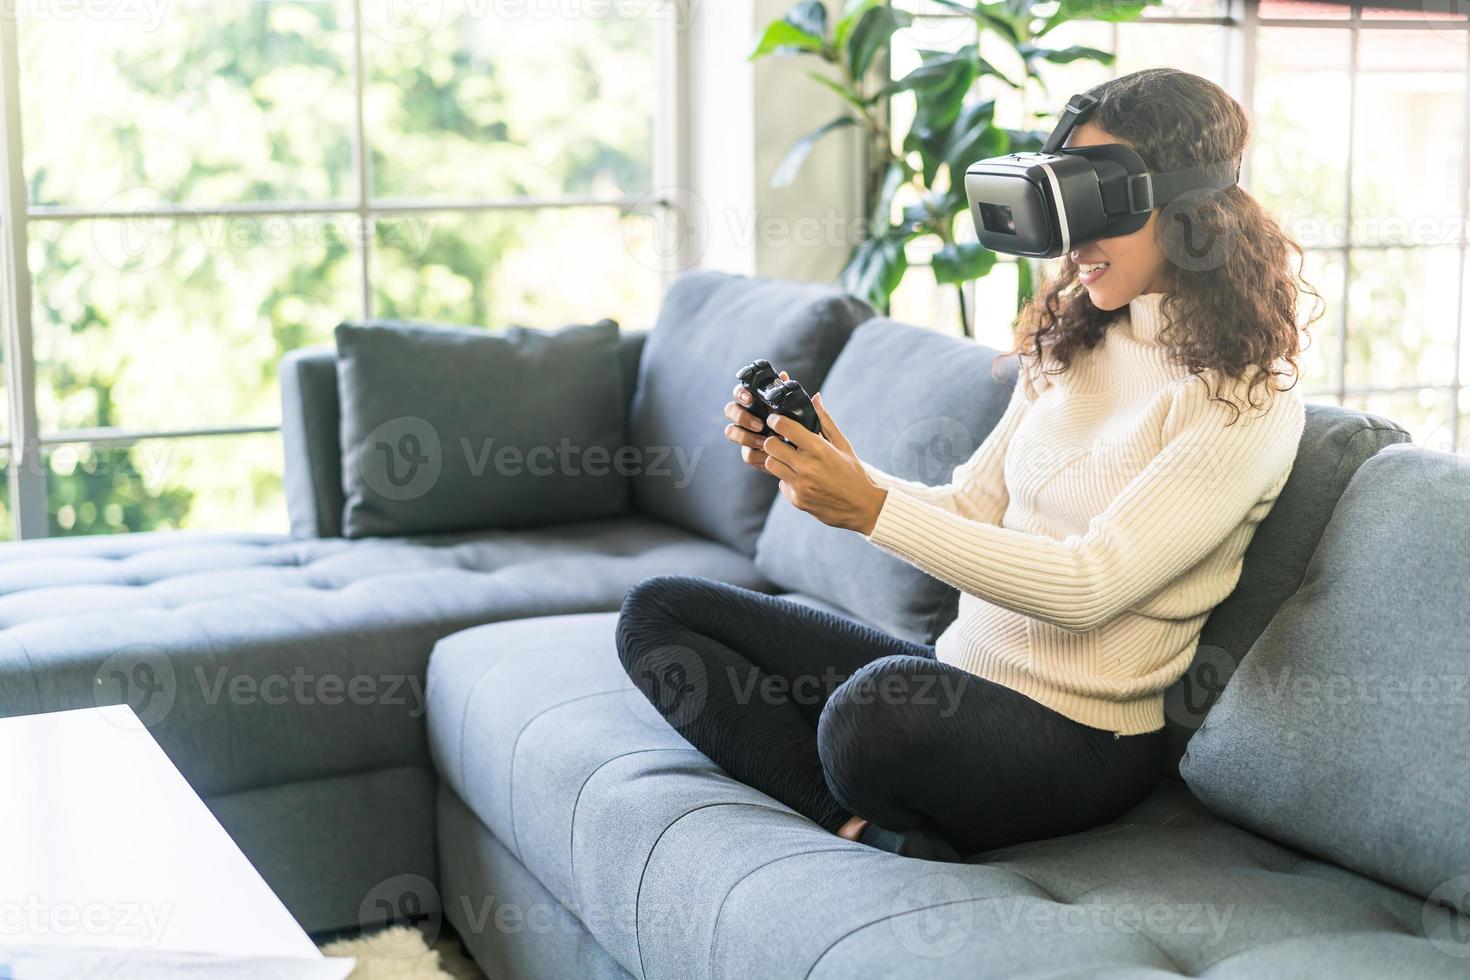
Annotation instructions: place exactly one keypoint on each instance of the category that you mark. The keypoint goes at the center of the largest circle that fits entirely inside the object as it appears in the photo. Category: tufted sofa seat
(285, 677)
(552, 760)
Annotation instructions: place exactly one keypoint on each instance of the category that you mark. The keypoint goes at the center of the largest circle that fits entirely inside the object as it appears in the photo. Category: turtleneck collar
(1146, 317)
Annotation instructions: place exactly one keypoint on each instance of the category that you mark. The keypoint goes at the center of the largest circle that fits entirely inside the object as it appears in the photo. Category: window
(203, 185)
(1359, 150)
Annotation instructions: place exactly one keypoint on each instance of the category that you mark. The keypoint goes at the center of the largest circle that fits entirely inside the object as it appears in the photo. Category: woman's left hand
(822, 475)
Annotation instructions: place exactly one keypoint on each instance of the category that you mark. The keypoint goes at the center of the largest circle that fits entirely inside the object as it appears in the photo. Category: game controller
(769, 395)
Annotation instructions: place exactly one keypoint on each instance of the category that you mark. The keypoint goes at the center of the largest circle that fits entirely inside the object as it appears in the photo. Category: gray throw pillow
(1344, 730)
(1335, 442)
(452, 429)
(710, 326)
(916, 404)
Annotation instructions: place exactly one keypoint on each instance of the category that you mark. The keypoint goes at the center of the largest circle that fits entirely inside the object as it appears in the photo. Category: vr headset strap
(1140, 193)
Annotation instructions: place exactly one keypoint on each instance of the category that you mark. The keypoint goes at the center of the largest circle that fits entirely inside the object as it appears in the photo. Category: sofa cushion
(683, 873)
(1335, 442)
(914, 403)
(710, 325)
(455, 429)
(257, 660)
(1343, 731)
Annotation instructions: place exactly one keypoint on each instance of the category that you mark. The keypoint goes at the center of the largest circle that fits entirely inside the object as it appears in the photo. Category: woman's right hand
(745, 429)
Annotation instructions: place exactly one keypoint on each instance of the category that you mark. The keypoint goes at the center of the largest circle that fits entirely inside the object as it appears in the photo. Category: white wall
(742, 119)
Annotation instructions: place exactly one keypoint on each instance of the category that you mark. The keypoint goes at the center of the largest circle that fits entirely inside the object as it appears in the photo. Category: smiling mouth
(1090, 272)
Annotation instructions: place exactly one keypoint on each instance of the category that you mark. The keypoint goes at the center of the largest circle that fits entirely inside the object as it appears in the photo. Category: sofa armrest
(311, 435)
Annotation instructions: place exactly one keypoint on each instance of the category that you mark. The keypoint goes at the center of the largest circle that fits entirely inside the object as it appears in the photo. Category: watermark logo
(673, 679)
(1192, 696)
(1186, 237)
(931, 448)
(402, 21)
(933, 915)
(1446, 928)
(146, 15)
(142, 233)
(402, 900)
(674, 226)
(401, 459)
(141, 677)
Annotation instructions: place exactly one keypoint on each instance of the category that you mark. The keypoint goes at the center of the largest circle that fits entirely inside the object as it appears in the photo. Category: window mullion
(361, 155)
(1347, 242)
(27, 474)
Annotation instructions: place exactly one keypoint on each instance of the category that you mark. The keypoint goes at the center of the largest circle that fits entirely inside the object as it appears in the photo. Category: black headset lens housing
(1042, 205)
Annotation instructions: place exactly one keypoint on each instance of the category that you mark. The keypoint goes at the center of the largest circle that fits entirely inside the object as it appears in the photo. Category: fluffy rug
(400, 953)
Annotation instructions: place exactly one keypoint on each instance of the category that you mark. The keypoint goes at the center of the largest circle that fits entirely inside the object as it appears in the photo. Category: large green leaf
(962, 261)
(871, 35)
(875, 269)
(991, 15)
(940, 85)
(844, 93)
(1033, 53)
(792, 165)
(809, 17)
(973, 137)
(852, 13)
(1118, 10)
(784, 37)
(894, 177)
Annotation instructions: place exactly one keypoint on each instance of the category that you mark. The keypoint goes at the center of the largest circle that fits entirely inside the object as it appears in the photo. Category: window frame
(25, 441)
(1240, 21)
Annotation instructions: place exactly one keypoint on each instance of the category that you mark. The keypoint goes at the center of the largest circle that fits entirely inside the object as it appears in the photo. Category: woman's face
(1116, 270)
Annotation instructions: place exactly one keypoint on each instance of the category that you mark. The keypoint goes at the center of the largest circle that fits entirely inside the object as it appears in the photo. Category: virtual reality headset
(1045, 204)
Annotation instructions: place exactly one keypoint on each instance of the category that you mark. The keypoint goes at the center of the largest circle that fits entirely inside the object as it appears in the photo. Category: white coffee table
(111, 865)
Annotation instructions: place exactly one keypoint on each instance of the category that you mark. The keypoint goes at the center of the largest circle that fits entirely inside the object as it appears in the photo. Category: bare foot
(852, 829)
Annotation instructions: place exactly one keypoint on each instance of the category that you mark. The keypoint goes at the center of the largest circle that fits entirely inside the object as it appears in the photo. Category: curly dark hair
(1234, 316)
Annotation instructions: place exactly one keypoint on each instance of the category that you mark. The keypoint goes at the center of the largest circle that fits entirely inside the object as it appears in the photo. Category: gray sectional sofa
(437, 726)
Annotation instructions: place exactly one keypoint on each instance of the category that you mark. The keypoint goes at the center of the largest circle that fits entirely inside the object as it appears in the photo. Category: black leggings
(836, 719)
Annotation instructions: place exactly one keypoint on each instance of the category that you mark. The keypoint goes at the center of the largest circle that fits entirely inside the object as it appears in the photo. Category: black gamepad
(770, 395)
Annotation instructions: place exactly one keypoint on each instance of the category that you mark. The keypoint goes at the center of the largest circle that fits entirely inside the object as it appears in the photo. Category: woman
(1090, 536)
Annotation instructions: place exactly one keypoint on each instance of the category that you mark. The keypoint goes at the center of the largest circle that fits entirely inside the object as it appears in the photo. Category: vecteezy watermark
(1185, 236)
(1447, 917)
(1318, 231)
(931, 448)
(1026, 913)
(411, 21)
(299, 686)
(673, 679)
(1291, 689)
(1191, 697)
(146, 14)
(405, 457)
(402, 900)
(140, 233)
(32, 918)
(141, 677)
(673, 225)
(401, 459)
(933, 914)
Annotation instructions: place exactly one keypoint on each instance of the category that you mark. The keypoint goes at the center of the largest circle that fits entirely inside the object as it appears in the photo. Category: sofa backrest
(311, 433)
(1342, 732)
(1335, 442)
(710, 325)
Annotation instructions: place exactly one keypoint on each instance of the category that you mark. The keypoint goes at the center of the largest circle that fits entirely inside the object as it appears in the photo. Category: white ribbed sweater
(1097, 525)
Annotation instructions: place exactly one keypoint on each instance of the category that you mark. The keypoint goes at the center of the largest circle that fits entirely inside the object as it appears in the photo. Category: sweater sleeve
(977, 489)
(1208, 479)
